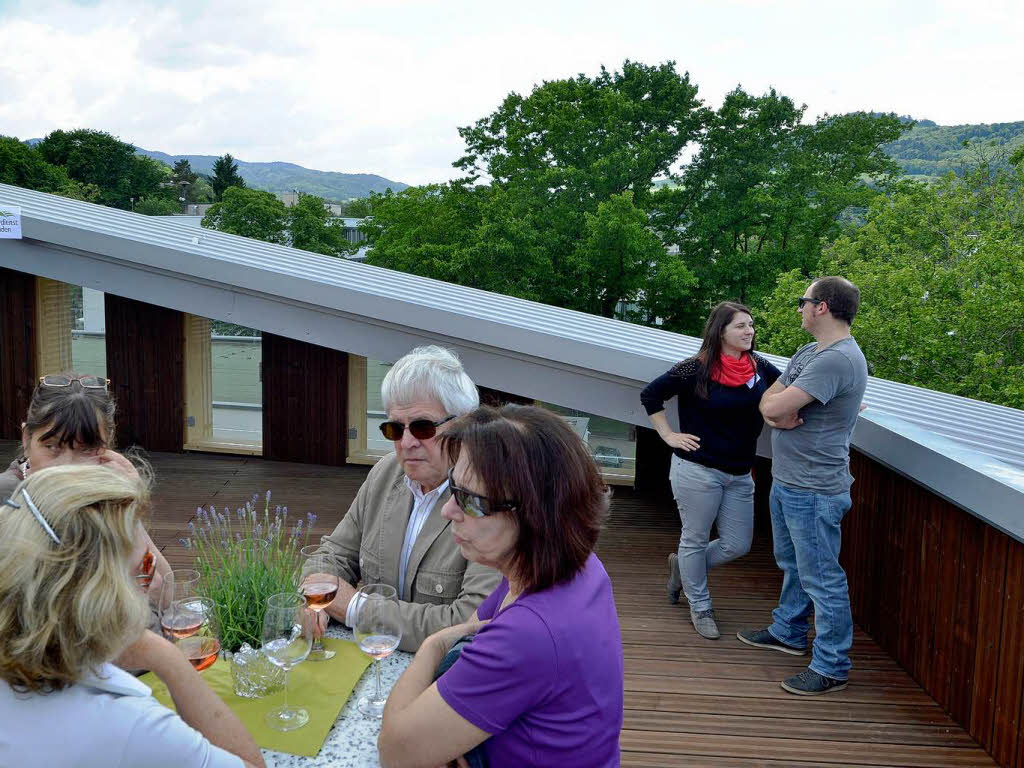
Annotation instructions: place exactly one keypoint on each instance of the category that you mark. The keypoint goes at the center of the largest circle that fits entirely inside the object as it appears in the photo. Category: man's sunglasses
(805, 300)
(421, 429)
(476, 506)
(86, 382)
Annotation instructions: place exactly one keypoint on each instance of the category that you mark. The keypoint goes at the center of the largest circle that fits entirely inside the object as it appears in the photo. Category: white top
(422, 506)
(105, 721)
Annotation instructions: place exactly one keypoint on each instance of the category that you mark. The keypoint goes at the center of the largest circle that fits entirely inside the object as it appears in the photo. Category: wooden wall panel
(305, 391)
(943, 593)
(146, 362)
(1007, 728)
(17, 349)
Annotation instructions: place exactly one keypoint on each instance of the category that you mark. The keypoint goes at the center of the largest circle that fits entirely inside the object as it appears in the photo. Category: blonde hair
(67, 608)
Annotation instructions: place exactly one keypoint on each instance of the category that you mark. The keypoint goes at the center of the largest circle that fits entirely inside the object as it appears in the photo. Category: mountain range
(285, 177)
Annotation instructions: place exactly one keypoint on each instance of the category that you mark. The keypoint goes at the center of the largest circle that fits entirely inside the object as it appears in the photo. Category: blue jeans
(476, 757)
(807, 534)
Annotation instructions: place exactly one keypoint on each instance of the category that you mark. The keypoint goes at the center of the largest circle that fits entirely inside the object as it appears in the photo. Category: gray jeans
(703, 496)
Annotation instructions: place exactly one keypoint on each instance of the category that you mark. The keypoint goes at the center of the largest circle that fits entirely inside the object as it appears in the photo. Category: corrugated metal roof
(621, 350)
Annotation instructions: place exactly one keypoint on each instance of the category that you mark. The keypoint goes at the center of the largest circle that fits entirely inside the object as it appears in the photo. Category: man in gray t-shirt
(815, 455)
(812, 409)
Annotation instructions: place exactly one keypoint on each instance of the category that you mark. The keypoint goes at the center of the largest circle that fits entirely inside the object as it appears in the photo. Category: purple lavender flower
(268, 496)
(311, 517)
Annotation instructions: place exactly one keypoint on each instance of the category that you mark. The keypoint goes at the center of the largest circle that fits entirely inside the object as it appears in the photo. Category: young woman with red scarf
(718, 391)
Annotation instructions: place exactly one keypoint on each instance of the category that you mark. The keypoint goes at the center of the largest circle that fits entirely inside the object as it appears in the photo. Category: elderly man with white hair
(394, 532)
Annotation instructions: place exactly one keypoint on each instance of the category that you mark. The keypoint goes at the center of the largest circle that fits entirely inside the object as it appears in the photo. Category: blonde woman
(74, 619)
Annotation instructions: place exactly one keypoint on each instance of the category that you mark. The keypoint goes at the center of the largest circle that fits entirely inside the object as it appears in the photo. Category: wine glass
(179, 585)
(196, 633)
(287, 638)
(378, 631)
(320, 587)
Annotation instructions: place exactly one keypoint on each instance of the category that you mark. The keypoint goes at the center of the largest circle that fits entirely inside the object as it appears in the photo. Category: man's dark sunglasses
(476, 506)
(805, 300)
(422, 429)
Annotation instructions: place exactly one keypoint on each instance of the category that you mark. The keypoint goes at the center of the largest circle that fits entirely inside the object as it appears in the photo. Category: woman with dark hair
(70, 420)
(718, 392)
(541, 681)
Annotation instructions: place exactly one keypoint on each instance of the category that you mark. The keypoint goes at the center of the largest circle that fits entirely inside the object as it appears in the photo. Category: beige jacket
(441, 587)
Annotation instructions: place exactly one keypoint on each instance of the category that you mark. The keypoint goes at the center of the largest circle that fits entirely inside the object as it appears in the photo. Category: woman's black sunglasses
(474, 505)
(421, 429)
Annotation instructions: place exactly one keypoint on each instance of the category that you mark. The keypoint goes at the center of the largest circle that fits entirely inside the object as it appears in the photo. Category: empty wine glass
(287, 638)
(378, 630)
(195, 630)
(179, 585)
(320, 587)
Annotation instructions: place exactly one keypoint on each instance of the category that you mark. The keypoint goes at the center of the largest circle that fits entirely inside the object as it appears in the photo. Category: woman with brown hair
(541, 681)
(74, 620)
(70, 420)
(718, 391)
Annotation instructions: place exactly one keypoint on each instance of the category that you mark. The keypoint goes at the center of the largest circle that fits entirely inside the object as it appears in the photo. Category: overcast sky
(380, 86)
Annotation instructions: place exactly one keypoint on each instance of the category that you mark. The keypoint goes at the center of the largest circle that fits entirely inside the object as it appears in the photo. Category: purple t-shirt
(545, 675)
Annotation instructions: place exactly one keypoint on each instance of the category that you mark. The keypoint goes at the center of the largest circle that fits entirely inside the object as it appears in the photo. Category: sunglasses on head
(805, 300)
(421, 429)
(86, 382)
(475, 505)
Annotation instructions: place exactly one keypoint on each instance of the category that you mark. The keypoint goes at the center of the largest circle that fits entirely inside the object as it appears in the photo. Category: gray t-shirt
(816, 455)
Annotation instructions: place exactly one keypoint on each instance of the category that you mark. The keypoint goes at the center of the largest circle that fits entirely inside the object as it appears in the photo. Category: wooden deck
(689, 701)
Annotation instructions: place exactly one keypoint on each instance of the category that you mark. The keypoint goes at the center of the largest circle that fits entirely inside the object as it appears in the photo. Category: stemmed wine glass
(195, 631)
(320, 587)
(174, 607)
(287, 638)
(378, 631)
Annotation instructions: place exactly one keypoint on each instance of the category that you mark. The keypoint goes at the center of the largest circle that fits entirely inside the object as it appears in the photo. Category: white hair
(430, 373)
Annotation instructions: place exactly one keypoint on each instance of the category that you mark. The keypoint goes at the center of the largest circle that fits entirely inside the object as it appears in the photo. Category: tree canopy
(108, 164)
(225, 175)
(250, 213)
(560, 202)
(258, 214)
(570, 167)
(941, 273)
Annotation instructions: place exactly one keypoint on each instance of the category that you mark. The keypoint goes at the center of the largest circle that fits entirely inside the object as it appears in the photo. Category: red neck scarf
(732, 372)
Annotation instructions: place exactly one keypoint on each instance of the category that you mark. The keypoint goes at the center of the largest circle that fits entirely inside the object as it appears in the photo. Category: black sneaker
(762, 638)
(810, 683)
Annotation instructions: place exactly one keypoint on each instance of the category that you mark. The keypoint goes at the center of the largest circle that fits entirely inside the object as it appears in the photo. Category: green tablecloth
(321, 687)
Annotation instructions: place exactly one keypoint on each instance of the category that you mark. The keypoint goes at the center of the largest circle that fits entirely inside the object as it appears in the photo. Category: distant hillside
(934, 150)
(284, 177)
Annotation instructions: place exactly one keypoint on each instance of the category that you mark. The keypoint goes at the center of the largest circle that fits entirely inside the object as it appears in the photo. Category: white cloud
(381, 87)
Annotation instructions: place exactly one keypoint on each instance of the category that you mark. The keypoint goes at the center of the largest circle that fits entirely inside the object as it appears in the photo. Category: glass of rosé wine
(320, 587)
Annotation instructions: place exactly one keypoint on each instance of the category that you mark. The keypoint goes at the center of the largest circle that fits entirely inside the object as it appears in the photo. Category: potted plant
(242, 559)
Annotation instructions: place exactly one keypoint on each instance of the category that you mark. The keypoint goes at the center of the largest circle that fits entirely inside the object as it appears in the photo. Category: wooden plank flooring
(689, 701)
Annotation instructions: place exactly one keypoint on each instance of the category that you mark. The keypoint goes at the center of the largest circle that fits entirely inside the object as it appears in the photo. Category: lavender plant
(243, 559)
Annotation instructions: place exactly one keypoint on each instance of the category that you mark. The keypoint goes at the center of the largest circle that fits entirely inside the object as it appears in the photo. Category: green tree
(111, 165)
(250, 213)
(157, 206)
(312, 228)
(941, 273)
(359, 208)
(24, 166)
(764, 193)
(552, 158)
(620, 254)
(225, 175)
(182, 171)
